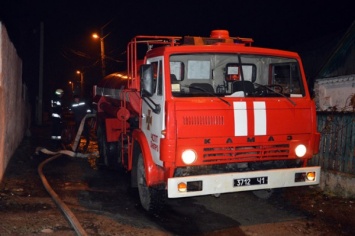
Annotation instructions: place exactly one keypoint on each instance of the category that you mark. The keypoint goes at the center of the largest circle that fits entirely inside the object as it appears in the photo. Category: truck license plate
(250, 181)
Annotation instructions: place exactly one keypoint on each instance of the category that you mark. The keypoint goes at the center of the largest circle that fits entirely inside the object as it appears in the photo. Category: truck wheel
(264, 193)
(101, 143)
(109, 152)
(152, 199)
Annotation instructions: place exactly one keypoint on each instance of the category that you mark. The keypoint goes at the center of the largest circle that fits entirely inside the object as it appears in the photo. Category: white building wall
(12, 101)
(335, 93)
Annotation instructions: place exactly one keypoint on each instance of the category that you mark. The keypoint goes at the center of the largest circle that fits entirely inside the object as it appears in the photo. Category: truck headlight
(300, 150)
(188, 156)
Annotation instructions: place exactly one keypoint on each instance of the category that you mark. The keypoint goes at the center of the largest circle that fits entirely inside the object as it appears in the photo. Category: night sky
(68, 26)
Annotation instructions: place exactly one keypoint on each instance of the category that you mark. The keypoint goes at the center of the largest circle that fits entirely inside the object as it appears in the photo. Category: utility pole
(81, 73)
(102, 46)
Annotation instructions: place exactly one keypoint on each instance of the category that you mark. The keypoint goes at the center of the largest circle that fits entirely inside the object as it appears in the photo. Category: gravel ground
(27, 209)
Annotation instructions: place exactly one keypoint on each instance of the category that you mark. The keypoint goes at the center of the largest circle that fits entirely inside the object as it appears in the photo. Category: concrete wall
(12, 100)
(338, 184)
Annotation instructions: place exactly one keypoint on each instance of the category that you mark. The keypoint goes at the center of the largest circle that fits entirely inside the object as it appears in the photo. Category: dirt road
(105, 205)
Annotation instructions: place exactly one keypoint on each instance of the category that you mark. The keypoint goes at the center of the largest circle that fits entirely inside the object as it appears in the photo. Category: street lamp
(81, 82)
(102, 47)
(72, 86)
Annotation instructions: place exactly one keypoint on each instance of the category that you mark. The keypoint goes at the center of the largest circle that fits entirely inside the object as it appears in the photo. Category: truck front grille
(245, 153)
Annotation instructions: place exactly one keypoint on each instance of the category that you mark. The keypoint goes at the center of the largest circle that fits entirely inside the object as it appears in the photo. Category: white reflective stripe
(56, 115)
(78, 104)
(240, 119)
(56, 137)
(88, 110)
(55, 103)
(259, 118)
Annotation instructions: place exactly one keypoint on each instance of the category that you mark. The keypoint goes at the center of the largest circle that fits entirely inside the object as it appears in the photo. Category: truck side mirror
(147, 80)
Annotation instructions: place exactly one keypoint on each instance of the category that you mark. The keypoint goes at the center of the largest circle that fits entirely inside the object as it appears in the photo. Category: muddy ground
(27, 209)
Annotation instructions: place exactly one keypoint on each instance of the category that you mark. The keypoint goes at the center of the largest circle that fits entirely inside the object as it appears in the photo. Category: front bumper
(253, 180)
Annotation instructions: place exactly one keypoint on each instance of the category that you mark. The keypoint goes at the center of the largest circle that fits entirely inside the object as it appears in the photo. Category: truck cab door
(152, 122)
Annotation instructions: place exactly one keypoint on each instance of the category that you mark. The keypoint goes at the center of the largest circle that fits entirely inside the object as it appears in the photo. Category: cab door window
(288, 76)
(158, 77)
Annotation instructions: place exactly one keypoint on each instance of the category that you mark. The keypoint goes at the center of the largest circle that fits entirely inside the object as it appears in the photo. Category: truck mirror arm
(157, 108)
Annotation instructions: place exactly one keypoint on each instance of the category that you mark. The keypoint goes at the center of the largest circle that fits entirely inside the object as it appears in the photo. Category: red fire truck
(207, 115)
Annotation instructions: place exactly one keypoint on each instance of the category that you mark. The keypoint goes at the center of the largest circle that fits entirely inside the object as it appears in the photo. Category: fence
(337, 145)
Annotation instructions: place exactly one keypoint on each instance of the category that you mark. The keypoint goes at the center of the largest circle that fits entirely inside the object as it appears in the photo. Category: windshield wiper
(281, 94)
(208, 92)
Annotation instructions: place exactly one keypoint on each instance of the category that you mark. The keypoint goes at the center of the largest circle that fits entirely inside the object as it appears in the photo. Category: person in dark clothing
(80, 109)
(56, 109)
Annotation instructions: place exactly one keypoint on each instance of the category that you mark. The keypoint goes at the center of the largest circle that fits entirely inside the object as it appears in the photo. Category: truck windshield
(234, 75)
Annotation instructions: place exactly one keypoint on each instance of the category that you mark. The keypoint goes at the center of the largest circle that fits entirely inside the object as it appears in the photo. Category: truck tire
(100, 141)
(152, 199)
(109, 152)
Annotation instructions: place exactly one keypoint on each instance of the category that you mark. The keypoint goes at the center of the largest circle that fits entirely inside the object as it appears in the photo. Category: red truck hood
(249, 118)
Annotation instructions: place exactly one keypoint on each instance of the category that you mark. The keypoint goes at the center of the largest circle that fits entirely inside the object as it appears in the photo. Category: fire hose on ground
(65, 209)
